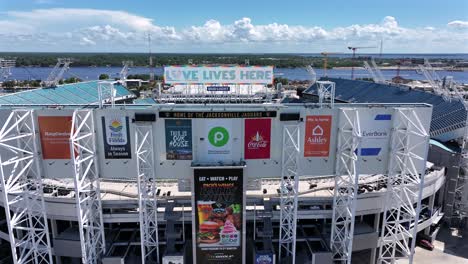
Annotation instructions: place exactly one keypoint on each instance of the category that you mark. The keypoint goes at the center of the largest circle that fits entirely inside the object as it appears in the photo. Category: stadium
(226, 171)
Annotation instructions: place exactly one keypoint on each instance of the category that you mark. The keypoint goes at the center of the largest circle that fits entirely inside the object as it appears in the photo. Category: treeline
(142, 59)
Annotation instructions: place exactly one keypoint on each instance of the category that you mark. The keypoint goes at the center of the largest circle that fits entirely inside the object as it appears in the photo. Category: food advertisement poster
(178, 139)
(116, 137)
(219, 224)
(55, 136)
(257, 138)
(317, 136)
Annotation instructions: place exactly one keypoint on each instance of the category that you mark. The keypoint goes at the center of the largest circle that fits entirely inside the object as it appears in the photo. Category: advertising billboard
(116, 137)
(55, 135)
(178, 139)
(257, 138)
(217, 143)
(317, 135)
(218, 75)
(219, 217)
(375, 130)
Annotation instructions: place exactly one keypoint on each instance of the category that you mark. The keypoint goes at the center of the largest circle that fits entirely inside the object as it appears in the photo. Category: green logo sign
(218, 136)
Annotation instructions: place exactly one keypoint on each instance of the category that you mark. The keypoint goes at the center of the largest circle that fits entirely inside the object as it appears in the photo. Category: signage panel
(375, 130)
(116, 137)
(317, 136)
(218, 88)
(173, 260)
(178, 139)
(257, 138)
(218, 140)
(225, 114)
(218, 75)
(219, 218)
(55, 136)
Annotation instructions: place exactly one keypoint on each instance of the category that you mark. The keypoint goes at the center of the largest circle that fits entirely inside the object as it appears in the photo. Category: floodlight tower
(354, 57)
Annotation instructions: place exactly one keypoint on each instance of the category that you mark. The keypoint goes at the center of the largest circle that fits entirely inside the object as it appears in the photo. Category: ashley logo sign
(317, 136)
(257, 138)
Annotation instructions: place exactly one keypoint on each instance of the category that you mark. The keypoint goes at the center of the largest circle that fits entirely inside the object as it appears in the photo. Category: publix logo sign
(218, 136)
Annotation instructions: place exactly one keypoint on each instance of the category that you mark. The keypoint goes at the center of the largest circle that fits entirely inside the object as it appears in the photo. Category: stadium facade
(223, 177)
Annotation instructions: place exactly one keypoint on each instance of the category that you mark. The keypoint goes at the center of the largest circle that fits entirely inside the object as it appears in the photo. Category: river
(92, 73)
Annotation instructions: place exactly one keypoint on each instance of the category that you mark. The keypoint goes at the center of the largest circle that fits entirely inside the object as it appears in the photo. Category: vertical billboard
(375, 131)
(257, 138)
(55, 135)
(317, 136)
(116, 137)
(218, 139)
(178, 139)
(219, 224)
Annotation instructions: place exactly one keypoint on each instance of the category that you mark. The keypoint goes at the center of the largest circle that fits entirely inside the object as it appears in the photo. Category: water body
(92, 73)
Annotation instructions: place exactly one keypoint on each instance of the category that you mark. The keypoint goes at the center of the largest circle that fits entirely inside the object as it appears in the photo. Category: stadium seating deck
(446, 116)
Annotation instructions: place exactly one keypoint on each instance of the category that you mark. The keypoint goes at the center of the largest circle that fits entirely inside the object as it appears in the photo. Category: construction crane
(63, 64)
(325, 60)
(354, 57)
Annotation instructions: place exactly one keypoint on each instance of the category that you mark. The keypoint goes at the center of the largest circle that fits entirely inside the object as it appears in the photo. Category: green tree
(103, 76)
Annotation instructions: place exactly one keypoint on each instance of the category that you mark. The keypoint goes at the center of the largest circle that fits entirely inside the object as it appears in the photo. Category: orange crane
(354, 57)
(325, 60)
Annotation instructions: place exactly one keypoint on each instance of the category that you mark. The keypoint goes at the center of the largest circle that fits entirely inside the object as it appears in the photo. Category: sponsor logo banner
(219, 139)
(116, 137)
(167, 114)
(218, 88)
(178, 139)
(375, 131)
(55, 135)
(218, 223)
(264, 258)
(317, 136)
(218, 75)
(257, 138)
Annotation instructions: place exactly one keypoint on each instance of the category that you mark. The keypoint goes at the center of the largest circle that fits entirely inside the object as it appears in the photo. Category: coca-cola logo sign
(257, 138)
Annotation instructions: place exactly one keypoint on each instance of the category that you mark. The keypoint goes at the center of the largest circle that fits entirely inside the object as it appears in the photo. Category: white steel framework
(87, 187)
(147, 198)
(5, 67)
(405, 183)
(377, 71)
(124, 72)
(63, 64)
(346, 185)
(22, 190)
(326, 93)
(288, 193)
(106, 93)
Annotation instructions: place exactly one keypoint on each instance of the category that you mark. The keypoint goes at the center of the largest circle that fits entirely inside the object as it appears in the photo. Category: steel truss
(326, 93)
(88, 195)
(147, 194)
(346, 185)
(22, 192)
(288, 193)
(405, 183)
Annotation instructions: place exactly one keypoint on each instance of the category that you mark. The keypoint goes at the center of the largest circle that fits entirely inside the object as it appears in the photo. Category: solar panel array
(74, 93)
(446, 116)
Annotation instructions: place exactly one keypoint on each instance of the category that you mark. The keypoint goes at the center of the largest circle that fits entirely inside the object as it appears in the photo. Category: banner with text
(317, 136)
(178, 139)
(257, 138)
(219, 224)
(375, 131)
(116, 137)
(218, 75)
(55, 136)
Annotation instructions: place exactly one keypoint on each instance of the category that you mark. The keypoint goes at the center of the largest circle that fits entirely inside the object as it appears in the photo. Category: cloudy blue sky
(410, 26)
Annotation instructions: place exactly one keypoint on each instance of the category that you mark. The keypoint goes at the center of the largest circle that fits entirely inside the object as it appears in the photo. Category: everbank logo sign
(317, 136)
(257, 138)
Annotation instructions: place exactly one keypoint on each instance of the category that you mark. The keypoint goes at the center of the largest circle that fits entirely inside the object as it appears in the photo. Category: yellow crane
(325, 60)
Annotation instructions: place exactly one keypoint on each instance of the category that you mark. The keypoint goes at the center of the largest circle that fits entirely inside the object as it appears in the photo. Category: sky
(240, 26)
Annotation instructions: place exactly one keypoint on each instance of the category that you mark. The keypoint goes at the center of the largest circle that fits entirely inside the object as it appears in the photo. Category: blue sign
(178, 139)
(218, 88)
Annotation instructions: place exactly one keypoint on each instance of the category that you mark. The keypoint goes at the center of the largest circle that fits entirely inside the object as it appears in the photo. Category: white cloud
(458, 24)
(68, 29)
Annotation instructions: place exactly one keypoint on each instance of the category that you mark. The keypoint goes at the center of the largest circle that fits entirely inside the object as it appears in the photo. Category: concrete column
(53, 227)
(427, 231)
(376, 229)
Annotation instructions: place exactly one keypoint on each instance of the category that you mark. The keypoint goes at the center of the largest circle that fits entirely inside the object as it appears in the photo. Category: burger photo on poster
(209, 232)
